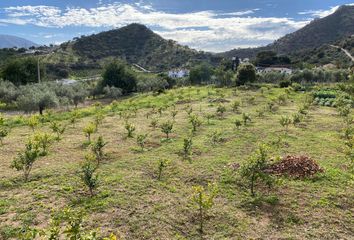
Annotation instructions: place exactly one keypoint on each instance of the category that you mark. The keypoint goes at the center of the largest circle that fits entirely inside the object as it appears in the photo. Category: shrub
(216, 137)
(285, 83)
(220, 110)
(117, 74)
(58, 129)
(200, 74)
(297, 118)
(154, 122)
(285, 121)
(174, 113)
(33, 122)
(187, 148)
(88, 174)
(166, 128)
(209, 116)
(203, 198)
(246, 73)
(238, 123)
(235, 106)
(43, 140)
(141, 140)
(195, 121)
(88, 130)
(162, 164)
(3, 133)
(25, 160)
(246, 118)
(97, 149)
(130, 129)
(254, 170)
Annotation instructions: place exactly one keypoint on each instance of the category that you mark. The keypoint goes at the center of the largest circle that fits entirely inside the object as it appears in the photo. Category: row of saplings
(257, 169)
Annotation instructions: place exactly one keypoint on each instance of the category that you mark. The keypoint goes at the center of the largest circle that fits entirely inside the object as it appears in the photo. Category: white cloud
(205, 30)
(321, 12)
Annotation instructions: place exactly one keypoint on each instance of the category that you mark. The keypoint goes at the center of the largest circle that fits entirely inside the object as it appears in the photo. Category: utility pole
(38, 71)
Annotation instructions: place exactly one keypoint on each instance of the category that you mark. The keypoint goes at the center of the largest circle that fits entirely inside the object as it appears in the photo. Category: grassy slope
(131, 201)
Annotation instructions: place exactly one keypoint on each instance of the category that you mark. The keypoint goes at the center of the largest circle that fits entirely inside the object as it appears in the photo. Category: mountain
(137, 44)
(327, 30)
(8, 41)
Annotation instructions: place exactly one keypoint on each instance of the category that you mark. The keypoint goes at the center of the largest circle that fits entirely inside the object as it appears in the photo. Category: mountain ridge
(10, 41)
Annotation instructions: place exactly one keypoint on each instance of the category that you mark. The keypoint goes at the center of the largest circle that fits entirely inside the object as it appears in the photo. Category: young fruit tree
(141, 140)
(88, 173)
(246, 118)
(44, 140)
(166, 128)
(285, 121)
(33, 122)
(25, 160)
(220, 110)
(58, 129)
(162, 165)
(3, 134)
(195, 121)
(97, 149)
(254, 170)
(203, 199)
(187, 148)
(88, 130)
(130, 129)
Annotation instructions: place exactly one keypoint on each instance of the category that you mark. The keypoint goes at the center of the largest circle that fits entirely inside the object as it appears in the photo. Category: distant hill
(320, 32)
(8, 41)
(137, 44)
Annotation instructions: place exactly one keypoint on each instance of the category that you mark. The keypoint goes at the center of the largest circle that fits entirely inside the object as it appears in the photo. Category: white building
(284, 70)
(178, 73)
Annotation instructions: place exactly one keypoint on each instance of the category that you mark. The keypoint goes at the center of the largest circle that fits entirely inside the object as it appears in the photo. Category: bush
(166, 128)
(200, 74)
(88, 174)
(117, 74)
(97, 149)
(246, 73)
(284, 83)
(254, 169)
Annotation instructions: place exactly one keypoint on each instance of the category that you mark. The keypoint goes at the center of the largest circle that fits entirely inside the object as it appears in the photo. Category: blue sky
(210, 25)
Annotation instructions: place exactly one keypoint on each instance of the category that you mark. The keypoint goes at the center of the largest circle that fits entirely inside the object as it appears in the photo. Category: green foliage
(203, 199)
(88, 173)
(238, 123)
(43, 140)
(117, 74)
(25, 160)
(162, 165)
(297, 119)
(166, 128)
(187, 147)
(174, 114)
(220, 110)
(254, 169)
(200, 74)
(3, 134)
(130, 129)
(209, 116)
(246, 73)
(246, 118)
(195, 121)
(285, 121)
(141, 140)
(154, 122)
(216, 137)
(33, 122)
(88, 130)
(97, 149)
(235, 106)
(58, 129)
(21, 71)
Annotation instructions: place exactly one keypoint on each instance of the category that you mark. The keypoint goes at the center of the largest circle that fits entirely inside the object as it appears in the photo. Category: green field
(132, 203)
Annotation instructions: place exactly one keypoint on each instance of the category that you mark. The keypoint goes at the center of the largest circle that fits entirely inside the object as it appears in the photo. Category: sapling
(166, 128)
(88, 173)
(88, 130)
(97, 149)
(33, 122)
(141, 140)
(189, 110)
(174, 113)
(246, 118)
(235, 106)
(195, 121)
(58, 129)
(98, 119)
(238, 123)
(297, 118)
(203, 198)
(187, 148)
(162, 164)
(74, 117)
(154, 122)
(3, 133)
(209, 116)
(220, 110)
(285, 121)
(25, 160)
(216, 137)
(254, 169)
(130, 129)
(43, 140)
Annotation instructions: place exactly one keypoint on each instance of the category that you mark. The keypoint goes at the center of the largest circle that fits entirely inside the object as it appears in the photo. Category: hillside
(8, 41)
(136, 43)
(335, 27)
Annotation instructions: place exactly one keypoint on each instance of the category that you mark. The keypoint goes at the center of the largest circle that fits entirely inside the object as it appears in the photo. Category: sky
(209, 25)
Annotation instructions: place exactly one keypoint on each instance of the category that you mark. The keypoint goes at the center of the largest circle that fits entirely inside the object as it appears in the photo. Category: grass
(131, 202)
